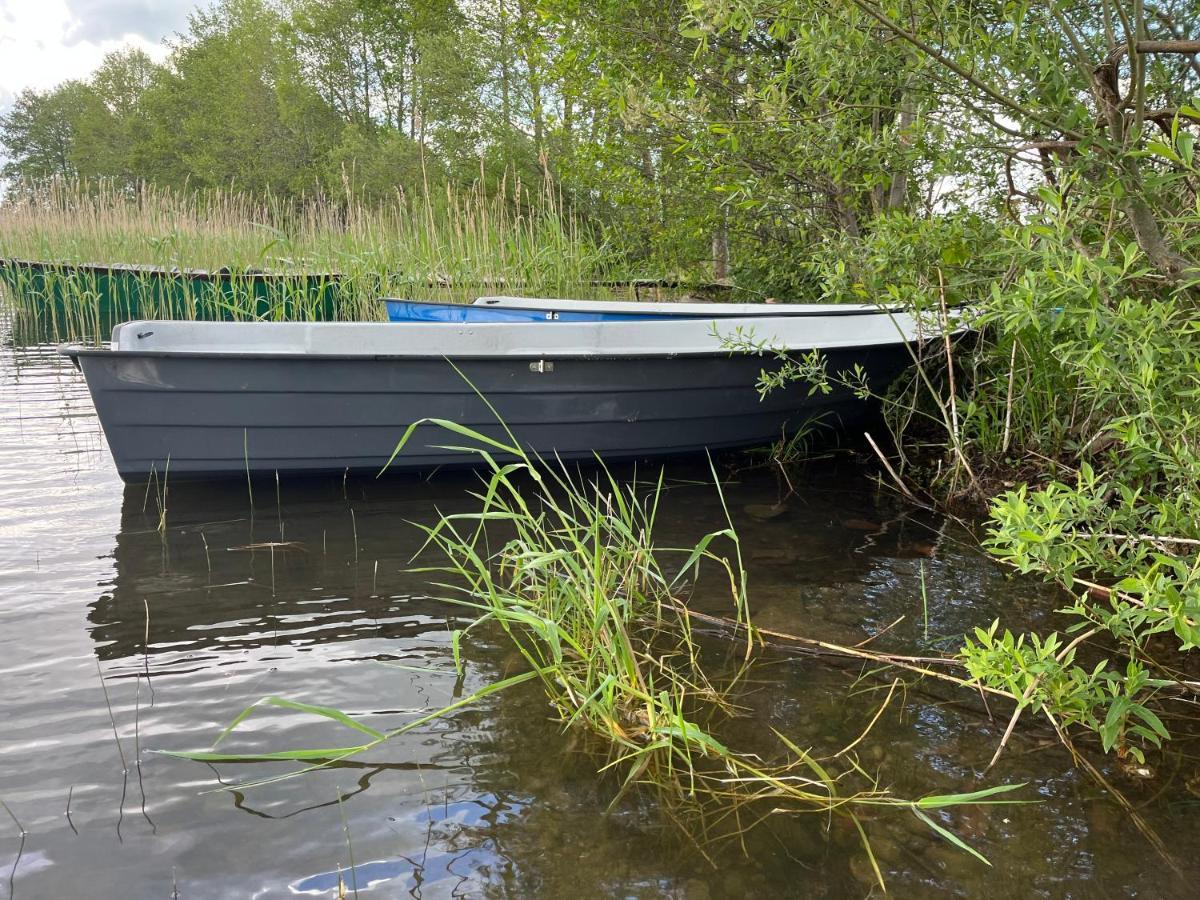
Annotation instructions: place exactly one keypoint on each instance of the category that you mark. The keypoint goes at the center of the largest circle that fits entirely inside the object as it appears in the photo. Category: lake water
(177, 629)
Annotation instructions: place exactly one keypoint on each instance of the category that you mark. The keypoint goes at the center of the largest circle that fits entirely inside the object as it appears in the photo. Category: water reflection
(324, 563)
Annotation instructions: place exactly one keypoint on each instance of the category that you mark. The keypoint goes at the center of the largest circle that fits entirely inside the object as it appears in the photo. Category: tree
(233, 109)
(1079, 93)
(110, 134)
(354, 53)
(39, 132)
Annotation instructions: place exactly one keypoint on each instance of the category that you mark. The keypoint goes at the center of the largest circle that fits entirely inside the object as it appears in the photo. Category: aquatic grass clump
(580, 591)
(565, 564)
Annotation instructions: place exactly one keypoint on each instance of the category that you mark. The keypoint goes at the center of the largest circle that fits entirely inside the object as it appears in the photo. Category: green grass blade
(950, 836)
(936, 801)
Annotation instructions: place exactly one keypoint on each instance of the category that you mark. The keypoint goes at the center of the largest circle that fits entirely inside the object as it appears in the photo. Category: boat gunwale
(653, 308)
(688, 309)
(72, 351)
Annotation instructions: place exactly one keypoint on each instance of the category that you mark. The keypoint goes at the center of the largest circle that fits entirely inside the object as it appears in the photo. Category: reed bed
(339, 255)
(565, 564)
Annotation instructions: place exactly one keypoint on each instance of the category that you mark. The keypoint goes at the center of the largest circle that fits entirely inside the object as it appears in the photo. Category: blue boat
(531, 309)
(420, 311)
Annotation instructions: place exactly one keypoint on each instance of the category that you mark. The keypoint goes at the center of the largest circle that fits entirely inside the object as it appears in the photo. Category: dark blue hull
(219, 414)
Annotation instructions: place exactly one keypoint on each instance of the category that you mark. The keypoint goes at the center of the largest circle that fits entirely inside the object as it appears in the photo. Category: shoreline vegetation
(1034, 162)
(446, 245)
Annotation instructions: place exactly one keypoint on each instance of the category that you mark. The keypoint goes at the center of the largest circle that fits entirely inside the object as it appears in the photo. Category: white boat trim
(687, 308)
(679, 337)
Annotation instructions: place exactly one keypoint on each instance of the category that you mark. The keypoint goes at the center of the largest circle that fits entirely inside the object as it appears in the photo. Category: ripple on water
(193, 623)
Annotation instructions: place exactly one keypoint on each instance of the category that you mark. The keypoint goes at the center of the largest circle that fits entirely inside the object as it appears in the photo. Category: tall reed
(448, 244)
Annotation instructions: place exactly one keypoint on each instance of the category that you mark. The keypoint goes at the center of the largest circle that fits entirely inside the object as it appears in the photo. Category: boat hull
(220, 415)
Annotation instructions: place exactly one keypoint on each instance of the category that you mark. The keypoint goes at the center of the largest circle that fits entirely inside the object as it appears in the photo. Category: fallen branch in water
(1139, 822)
(888, 466)
(910, 663)
(917, 664)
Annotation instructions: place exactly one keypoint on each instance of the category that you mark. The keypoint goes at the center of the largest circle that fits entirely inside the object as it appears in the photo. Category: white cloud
(45, 42)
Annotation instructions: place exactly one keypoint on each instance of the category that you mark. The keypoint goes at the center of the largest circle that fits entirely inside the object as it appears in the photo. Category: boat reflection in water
(226, 577)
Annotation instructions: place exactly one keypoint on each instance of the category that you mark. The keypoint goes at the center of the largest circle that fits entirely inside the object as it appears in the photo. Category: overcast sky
(45, 42)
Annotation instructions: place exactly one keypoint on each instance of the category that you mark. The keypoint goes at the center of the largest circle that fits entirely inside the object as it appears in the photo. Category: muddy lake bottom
(178, 629)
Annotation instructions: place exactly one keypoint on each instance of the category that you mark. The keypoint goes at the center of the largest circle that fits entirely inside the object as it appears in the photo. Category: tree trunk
(898, 193)
(720, 250)
(505, 82)
(1143, 221)
(412, 98)
(534, 78)
(568, 120)
(366, 76)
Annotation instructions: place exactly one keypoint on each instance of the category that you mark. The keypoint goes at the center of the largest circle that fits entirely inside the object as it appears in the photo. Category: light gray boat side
(221, 399)
(681, 337)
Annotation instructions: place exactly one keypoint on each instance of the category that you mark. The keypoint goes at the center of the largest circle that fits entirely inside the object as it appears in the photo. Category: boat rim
(680, 308)
(74, 351)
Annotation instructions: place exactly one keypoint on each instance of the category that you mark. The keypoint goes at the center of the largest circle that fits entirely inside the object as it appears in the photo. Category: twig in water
(162, 499)
(875, 718)
(137, 752)
(349, 845)
(137, 711)
(70, 794)
(925, 602)
(12, 815)
(146, 652)
(111, 718)
(12, 875)
(880, 633)
(887, 465)
(246, 457)
(207, 558)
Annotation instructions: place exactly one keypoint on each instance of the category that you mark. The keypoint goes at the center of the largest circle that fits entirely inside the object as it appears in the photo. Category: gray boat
(211, 399)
